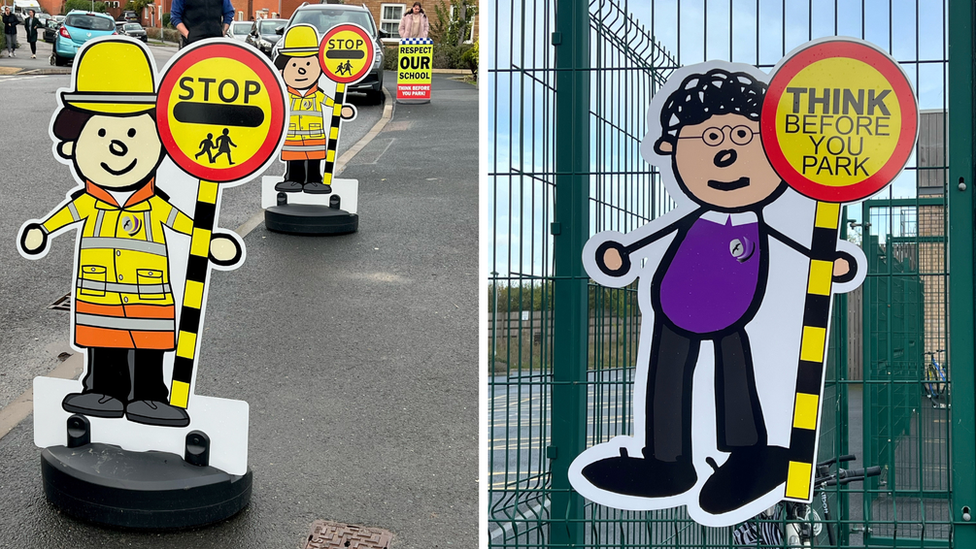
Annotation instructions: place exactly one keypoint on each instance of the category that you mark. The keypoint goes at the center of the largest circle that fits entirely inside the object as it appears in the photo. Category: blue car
(78, 28)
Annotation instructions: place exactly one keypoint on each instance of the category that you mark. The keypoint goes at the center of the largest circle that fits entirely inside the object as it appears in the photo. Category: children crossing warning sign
(414, 68)
(221, 112)
(346, 53)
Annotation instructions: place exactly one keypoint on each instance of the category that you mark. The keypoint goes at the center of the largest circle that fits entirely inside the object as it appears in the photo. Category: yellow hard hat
(300, 41)
(113, 76)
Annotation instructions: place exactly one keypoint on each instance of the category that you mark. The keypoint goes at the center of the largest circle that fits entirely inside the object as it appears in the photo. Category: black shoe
(93, 404)
(289, 187)
(317, 188)
(152, 412)
(647, 477)
(749, 474)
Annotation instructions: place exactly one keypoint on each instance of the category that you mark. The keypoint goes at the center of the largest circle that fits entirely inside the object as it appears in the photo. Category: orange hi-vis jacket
(123, 297)
(308, 132)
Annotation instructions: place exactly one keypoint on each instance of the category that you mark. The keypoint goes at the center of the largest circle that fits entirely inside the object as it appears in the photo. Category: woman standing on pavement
(414, 24)
(9, 30)
(32, 23)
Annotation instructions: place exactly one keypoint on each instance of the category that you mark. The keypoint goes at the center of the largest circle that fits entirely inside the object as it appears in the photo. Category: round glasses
(713, 137)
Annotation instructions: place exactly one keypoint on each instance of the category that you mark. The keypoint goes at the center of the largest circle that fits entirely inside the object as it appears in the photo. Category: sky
(515, 48)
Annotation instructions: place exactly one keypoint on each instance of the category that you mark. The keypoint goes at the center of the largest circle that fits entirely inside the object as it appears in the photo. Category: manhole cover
(336, 535)
(62, 304)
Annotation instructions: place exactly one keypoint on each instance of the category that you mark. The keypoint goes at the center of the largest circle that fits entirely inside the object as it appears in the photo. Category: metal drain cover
(336, 535)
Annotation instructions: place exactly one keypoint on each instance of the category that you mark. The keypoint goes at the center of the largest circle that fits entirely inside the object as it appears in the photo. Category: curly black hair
(701, 96)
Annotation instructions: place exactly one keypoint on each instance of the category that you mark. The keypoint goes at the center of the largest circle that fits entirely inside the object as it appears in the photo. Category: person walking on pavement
(199, 19)
(10, 30)
(32, 23)
(414, 23)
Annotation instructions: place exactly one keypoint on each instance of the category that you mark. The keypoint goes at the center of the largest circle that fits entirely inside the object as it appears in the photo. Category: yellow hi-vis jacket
(123, 297)
(309, 125)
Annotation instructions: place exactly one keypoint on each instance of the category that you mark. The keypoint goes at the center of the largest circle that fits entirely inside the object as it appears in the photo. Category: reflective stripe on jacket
(123, 296)
(308, 127)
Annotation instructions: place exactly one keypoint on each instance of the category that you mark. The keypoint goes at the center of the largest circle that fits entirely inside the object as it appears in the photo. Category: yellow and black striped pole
(204, 218)
(813, 350)
(333, 143)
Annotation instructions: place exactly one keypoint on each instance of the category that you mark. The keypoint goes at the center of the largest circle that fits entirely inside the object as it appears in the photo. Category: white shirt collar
(740, 218)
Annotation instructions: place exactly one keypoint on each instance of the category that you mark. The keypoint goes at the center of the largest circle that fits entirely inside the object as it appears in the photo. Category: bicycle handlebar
(845, 476)
(841, 459)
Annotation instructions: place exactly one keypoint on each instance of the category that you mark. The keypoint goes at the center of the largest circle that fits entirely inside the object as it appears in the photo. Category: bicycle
(792, 524)
(936, 380)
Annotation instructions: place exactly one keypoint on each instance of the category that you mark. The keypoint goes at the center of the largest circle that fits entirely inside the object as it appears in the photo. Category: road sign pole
(204, 218)
(333, 138)
(808, 396)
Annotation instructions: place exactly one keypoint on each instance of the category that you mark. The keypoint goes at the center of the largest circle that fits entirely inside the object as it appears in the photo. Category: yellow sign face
(838, 136)
(346, 53)
(221, 112)
(839, 121)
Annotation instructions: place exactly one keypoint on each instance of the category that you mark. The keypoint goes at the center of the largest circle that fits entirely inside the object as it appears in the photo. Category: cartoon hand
(34, 240)
(348, 112)
(225, 250)
(845, 268)
(613, 258)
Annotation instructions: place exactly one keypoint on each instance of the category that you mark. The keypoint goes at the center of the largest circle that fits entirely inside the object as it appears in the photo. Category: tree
(452, 24)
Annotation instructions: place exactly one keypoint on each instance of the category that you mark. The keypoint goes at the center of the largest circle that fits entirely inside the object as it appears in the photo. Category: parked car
(51, 28)
(130, 16)
(325, 16)
(264, 35)
(134, 30)
(239, 30)
(79, 27)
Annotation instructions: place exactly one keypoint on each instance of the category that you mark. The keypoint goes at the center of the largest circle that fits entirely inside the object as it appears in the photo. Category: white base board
(346, 189)
(225, 421)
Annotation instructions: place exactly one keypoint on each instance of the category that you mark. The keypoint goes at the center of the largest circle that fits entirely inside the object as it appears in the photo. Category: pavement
(357, 354)
(22, 63)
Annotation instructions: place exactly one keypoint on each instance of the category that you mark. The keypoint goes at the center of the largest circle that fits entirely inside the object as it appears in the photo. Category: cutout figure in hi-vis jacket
(309, 128)
(124, 311)
(705, 278)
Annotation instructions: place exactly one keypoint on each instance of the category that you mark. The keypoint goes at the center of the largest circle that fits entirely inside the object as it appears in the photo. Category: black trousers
(668, 397)
(33, 46)
(303, 171)
(126, 374)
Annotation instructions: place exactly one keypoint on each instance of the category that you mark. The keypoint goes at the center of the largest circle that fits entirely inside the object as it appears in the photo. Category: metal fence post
(960, 259)
(570, 230)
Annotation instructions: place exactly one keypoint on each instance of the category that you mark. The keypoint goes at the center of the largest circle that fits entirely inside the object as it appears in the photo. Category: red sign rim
(906, 102)
(369, 58)
(267, 76)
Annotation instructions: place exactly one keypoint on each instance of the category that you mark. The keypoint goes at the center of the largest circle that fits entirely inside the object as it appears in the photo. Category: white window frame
(396, 22)
(470, 39)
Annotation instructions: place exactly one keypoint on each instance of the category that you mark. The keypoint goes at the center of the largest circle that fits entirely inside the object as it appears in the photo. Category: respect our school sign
(413, 68)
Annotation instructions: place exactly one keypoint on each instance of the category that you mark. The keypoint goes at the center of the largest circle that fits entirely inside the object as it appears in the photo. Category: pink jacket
(406, 23)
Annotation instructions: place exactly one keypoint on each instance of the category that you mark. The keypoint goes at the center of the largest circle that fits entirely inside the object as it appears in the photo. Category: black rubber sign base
(310, 219)
(108, 485)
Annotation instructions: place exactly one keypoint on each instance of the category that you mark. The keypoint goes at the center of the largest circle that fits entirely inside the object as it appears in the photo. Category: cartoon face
(722, 163)
(302, 72)
(115, 152)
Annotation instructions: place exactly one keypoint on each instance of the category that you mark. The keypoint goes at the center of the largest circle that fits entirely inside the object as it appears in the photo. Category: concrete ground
(357, 355)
